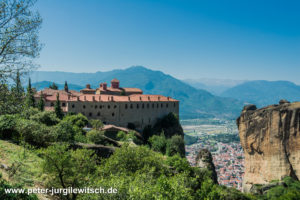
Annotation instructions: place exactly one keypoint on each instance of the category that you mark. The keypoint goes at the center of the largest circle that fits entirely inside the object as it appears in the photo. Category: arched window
(63, 104)
(98, 114)
(90, 114)
(83, 106)
(100, 106)
(143, 106)
(126, 106)
(115, 106)
(52, 104)
(113, 114)
(131, 106)
(161, 105)
(73, 106)
(96, 106)
(108, 106)
(137, 106)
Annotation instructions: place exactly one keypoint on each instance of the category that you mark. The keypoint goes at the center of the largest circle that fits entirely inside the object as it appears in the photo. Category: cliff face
(270, 138)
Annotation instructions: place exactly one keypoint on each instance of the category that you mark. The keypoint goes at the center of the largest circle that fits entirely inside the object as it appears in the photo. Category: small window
(96, 106)
(137, 106)
(126, 106)
(113, 114)
(143, 106)
(131, 106)
(108, 106)
(90, 114)
(52, 104)
(115, 106)
(83, 106)
(98, 114)
(73, 106)
(162, 105)
(100, 107)
(63, 104)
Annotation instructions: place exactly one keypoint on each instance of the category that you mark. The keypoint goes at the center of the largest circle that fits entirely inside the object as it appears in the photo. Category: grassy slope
(27, 171)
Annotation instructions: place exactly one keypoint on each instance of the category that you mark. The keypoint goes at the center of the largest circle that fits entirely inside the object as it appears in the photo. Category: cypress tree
(18, 90)
(30, 101)
(41, 103)
(57, 108)
(53, 86)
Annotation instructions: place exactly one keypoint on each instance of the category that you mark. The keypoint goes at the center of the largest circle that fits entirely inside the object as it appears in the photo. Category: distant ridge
(263, 93)
(194, 103)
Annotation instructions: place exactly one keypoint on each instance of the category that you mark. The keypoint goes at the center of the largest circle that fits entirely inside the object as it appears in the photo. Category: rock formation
(204, 160)
(270, 137)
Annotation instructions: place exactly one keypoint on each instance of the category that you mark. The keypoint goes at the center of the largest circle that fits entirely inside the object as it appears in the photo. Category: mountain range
(194, 103)
(263, 93)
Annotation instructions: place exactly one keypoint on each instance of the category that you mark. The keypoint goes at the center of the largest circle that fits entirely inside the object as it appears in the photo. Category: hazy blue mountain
(264, 93)
(193, 102)
(215, 86)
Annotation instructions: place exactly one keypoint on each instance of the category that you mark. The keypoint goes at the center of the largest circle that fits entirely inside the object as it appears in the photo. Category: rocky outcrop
(204, 160)
(270, 138)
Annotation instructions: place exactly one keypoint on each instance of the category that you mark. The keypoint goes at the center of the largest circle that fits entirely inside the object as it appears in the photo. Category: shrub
(76, 120)
(46, 117)
(96, 137)
(96, 124)
(158, 143)
(34, 133)
(176, 145)
(7, 127)
(64, 131)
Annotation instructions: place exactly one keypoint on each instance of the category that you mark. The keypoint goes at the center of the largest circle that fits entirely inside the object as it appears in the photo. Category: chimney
(88, 86)
(104, 86)
(112, 98)
(93, 98)
(99, 98)
(148, 98)
(168, 98)
(128, 98)
(84, 98)
(140, 98)
(158, 98)
(78, 99)
(69, 97)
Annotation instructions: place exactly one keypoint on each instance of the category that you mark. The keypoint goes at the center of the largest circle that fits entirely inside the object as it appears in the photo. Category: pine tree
(17, 95)
(30, 101)
(41, 103)
(66, 87)
(57, 108)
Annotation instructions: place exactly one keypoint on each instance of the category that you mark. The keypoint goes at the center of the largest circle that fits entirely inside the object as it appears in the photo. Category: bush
(97, 137)
(34, 133)
(96, 124)
(77, 120)
(28, 112)
(7, 127)
(64, 132)
(158, 143)
(46, 117)
(176, 145)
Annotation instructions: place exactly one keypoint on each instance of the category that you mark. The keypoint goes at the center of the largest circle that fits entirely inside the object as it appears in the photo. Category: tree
(19, 44)
(41, 103)
(53, 86)
(18, 89)
(57, 109)
(176, 145)
(96, 124)
(158, 143)
(68, 168)
(29, 101)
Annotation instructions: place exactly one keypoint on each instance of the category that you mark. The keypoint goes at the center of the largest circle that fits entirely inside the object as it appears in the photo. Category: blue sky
(229, 39)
